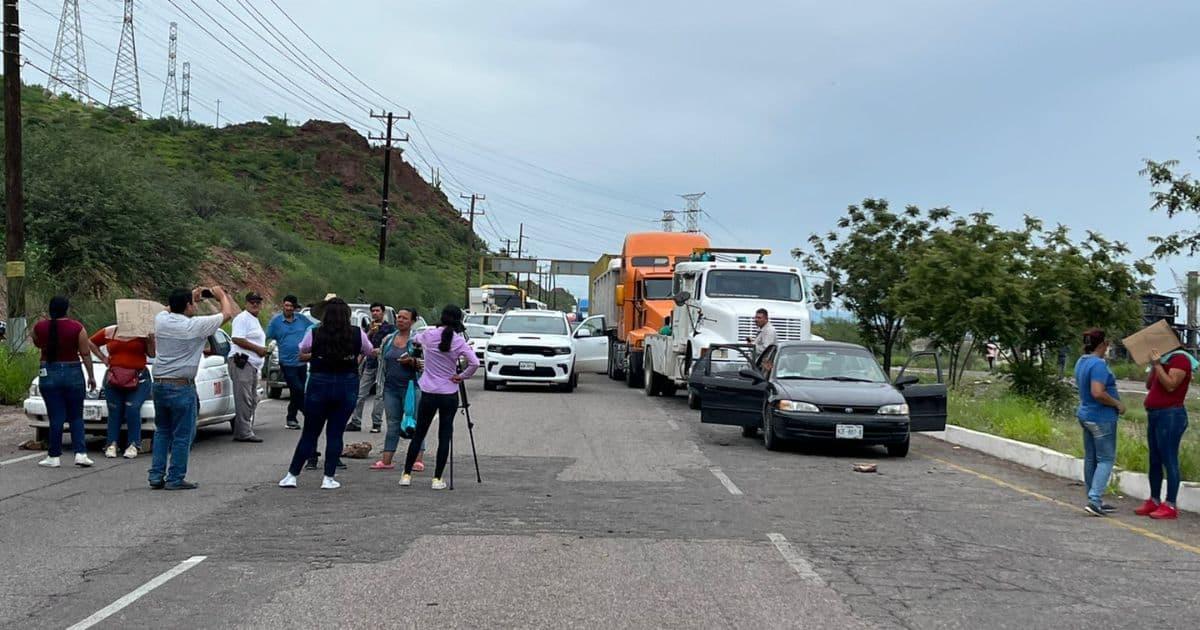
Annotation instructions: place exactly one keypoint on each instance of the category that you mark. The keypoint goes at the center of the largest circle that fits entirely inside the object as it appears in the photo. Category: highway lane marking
(136, 594)
(726, 481)
(1141, 531)
(790, 555)
(19, 459)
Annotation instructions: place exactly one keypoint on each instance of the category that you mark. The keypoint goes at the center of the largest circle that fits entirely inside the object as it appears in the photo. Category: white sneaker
(329, 483)
(406, 480)
(49, 462)
(110, 451)
(438, 484)
(288, 481)
(131, 452)
(82, 460)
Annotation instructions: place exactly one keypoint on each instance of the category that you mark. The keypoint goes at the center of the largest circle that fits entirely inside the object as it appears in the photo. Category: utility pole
(185, 106)
(520, 248)
(470, 242)
(68, 69)
(387, 175)
(1193, 317)
(170, 99)
(693, 211)
(126, 90)
(14, 194)
(218, 113)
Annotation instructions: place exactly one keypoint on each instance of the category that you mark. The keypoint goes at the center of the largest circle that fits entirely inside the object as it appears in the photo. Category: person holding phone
(399, 371)
(64, 345)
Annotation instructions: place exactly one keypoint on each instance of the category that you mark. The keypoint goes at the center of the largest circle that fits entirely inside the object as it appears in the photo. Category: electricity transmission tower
(668, 221)
(693, 211)
(68, 69)
(185, 108)
(126, 91)
(170, 99)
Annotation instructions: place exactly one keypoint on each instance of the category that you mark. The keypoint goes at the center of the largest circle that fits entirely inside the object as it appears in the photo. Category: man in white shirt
(245, 363)
(766, 332)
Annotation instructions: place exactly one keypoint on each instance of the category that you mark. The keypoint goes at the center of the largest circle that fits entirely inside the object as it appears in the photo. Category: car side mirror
(905, 381)
(681, 298)
(751, 374)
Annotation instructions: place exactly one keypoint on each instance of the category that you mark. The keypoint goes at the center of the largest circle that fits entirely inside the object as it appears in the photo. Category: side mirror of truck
(682, 297)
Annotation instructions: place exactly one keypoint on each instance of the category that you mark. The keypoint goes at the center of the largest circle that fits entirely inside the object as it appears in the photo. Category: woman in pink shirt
(442, 347)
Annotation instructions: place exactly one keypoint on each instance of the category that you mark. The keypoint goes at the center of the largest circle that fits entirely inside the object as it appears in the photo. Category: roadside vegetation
(16, 372)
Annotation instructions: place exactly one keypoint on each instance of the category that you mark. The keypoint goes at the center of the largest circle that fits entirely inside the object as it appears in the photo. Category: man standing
(180, 337)
(369, 372)
(287, 330)
(245, 362)
(766, 332)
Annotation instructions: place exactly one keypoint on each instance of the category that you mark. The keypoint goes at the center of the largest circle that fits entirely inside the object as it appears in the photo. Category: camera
(206, 293)
(418, 352)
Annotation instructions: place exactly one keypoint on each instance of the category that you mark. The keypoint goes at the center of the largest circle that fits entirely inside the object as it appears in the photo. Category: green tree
(866, 258)
(1176, 193)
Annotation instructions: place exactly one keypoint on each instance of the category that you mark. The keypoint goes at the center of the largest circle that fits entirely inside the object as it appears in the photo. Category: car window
(594, 325)
(537, 324)
(218, 344)
(828, 364)
(478, 331)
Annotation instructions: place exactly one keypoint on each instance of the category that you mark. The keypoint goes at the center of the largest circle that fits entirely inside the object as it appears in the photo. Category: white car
(213, 387)
(478, 336)
(535, 346)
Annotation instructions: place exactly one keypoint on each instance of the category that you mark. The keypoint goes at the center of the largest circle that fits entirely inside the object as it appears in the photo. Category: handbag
(408, 426)
(123, 378)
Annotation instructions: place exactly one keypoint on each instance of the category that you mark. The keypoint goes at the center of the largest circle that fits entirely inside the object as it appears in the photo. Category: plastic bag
(408, 426)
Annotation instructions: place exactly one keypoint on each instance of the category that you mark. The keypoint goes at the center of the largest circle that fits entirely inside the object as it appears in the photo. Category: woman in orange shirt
(126, 386)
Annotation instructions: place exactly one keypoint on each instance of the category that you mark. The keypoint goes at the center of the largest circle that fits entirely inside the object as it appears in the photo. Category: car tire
(274, 393)
(770, 440)
(570, 385)
(489, 385)
(750, 432)
(693, 400)
(899, 450)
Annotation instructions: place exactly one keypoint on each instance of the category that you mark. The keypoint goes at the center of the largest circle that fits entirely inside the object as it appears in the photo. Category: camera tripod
(465, 404)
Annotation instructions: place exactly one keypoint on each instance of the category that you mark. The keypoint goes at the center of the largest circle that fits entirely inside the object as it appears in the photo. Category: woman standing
(1166, 421)
(126, 386)
(333, 351)
(1099, 406)
(443, 347)
(64, 343)
(398, 370)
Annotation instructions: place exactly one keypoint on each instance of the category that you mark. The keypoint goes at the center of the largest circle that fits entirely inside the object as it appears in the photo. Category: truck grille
(786, 329)
(540, 351)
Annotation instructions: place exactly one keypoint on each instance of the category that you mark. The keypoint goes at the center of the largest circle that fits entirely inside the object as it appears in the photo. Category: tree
(1176, 193)
(866, 259)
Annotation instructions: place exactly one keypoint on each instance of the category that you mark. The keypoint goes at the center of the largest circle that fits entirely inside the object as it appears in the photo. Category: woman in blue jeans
(333, 351)
(64, 343)
(1166, 422)
(398, 371)
(1099, 406)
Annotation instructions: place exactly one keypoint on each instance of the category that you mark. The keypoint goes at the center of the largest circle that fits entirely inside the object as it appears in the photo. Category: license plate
(849, 432)
(525, 366)
(91, 413)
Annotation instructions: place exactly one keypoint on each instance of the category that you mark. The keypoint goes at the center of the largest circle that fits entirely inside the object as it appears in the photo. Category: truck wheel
(693, 400)
(633, 372)
(649, 378)
(274, 392)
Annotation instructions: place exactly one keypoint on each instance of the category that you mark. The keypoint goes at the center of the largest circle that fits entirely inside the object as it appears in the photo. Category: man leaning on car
(180, 336)
(245, 362)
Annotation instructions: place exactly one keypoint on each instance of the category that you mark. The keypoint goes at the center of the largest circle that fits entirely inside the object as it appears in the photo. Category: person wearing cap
(287, 329)
(245, 362)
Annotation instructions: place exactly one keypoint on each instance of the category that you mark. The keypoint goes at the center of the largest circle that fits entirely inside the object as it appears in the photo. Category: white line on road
(107, 611)
(726, 481)
(19, 459)
(795, 560)
(671, 423)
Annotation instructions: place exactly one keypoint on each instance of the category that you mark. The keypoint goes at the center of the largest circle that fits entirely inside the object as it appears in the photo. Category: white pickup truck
(715, 304)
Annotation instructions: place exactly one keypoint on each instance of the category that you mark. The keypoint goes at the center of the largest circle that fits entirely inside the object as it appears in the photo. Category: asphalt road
(600, 508)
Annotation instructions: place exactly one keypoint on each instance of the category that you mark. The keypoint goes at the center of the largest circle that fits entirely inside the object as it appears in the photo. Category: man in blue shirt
(287, 329)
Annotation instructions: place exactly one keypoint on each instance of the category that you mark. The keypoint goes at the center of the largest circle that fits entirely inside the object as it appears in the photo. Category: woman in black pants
(333, 350)
(443, 347)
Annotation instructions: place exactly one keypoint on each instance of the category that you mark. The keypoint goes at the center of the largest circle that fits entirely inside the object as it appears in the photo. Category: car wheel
(488, 384)
(569, 386)
(42, 435)
(750, 432)
(693, 399)
(898, 450)
(768, 432)
(274, 392)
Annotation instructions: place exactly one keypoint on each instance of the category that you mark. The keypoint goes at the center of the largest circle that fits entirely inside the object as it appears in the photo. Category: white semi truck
(716, 296)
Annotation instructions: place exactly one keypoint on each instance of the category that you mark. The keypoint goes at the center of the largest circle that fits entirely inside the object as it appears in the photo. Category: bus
(497, 298)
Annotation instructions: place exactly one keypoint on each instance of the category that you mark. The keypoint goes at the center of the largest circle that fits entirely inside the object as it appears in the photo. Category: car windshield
(478, 331)
(758, 285)
(538, 324)
(658, 289)
(828, 364)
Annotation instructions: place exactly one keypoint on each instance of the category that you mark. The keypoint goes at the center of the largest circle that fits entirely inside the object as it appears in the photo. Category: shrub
(16, 372)
(1039, 382)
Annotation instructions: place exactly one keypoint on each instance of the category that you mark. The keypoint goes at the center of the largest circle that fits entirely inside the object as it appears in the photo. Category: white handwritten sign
(135, 318)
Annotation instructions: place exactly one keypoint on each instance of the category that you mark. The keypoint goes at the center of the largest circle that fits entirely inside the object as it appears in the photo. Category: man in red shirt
(1166, 421)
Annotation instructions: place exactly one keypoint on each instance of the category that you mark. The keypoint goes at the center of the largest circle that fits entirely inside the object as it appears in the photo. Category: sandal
(379, 465)
(418, 466)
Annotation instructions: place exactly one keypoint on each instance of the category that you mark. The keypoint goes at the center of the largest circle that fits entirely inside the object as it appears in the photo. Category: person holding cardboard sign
(1166, 421)
(126, 385)
(1099, 406)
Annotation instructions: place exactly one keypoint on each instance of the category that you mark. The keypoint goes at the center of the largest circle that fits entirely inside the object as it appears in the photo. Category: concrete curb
(1132, 484)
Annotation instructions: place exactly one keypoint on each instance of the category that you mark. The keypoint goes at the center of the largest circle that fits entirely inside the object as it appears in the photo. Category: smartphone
(206, 293)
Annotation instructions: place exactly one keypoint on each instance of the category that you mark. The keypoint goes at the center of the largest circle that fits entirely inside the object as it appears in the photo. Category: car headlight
(566, 350)
(796, 405)
(900, 409)
(492, 348)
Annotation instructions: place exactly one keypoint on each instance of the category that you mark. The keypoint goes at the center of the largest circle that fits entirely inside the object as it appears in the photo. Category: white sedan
(213, 387)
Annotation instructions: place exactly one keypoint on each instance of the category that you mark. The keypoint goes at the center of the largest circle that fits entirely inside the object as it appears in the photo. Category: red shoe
(1165, 512)
(1147, 508)
(379, 465)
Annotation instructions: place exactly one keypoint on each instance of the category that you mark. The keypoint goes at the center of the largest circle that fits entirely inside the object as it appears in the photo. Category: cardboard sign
(135, 318)
(1157, 336)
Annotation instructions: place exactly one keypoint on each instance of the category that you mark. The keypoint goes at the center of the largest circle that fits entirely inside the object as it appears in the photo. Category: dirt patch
(14, 429)
(239, 274)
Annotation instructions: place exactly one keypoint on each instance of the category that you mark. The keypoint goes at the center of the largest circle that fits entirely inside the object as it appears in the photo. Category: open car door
(728, 397)
(926, 402)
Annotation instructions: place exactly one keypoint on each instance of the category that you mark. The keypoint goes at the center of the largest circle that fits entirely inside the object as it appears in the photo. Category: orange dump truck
(633, 291)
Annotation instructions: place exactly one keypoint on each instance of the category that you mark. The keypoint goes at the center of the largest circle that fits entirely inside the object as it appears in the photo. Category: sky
(584, 120)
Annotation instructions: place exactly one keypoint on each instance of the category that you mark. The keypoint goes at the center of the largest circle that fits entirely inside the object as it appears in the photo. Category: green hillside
(120, 206)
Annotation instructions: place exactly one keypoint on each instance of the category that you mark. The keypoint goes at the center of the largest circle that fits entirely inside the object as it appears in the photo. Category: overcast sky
(585, 119)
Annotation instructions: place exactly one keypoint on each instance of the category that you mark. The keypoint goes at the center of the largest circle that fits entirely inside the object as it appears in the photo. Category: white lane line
(726, 481)
(107, 611)
(19, 459)
(795, 560)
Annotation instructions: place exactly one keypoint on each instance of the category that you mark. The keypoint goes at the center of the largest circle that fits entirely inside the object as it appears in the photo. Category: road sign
(512, 265)
(571, 267)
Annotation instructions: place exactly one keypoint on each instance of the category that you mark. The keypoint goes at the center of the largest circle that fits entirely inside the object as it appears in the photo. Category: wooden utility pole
(470, 243)
(387, 176)
(520, 250)
(14, 268)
